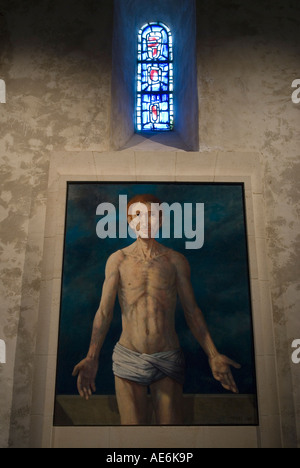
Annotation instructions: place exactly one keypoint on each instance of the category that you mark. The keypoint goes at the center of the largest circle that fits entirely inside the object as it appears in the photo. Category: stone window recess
(176, 25)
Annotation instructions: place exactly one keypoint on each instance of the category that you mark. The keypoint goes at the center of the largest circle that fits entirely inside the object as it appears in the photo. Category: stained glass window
(155, 79)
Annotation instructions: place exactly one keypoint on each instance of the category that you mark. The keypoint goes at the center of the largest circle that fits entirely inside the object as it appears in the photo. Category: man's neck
(145, 244)
(148, 247)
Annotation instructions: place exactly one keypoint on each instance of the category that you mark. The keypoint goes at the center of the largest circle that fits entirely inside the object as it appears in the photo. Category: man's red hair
(146, 198)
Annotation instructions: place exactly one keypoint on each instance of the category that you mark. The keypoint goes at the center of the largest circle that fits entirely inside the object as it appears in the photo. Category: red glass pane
(154, 112)
(154, 75)
(153, 42)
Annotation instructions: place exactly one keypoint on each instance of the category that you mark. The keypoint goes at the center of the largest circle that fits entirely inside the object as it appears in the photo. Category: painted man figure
(147, 278)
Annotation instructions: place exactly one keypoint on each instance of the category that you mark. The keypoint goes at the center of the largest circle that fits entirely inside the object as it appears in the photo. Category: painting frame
(63, 409)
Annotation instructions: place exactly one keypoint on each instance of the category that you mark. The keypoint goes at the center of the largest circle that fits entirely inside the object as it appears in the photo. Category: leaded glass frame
(155, 79)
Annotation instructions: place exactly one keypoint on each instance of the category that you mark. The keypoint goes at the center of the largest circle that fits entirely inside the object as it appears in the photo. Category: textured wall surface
(56, 61)
(246, 66)
(55, 58)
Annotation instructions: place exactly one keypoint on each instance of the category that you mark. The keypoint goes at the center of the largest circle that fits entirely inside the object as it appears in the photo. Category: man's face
(144, 220)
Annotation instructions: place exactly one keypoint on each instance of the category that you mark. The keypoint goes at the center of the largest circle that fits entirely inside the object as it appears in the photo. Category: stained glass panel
(155, 85)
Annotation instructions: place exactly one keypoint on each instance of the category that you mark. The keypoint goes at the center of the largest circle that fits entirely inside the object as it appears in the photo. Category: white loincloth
(146, 369)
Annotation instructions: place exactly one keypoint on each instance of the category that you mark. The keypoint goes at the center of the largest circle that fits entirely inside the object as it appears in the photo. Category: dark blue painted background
(219, 276)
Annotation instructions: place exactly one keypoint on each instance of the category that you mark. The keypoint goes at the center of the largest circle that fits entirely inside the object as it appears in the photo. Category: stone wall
(56, 61)
(246, 66)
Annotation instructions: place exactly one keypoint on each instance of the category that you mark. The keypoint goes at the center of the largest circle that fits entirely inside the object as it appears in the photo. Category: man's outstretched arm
(220, 364)
(87, 369)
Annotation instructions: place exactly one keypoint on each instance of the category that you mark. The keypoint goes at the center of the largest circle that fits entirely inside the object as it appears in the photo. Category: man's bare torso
(147, 277)
(147, 295)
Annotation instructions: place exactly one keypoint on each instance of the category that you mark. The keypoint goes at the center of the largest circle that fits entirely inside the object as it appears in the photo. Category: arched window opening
(155, 79)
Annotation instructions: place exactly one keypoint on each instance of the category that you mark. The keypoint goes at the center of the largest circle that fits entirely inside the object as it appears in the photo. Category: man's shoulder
(127, 250)
(177, 258)
(115, 259)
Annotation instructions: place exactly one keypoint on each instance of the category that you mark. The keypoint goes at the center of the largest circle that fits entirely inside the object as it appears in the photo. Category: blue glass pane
(154, 109)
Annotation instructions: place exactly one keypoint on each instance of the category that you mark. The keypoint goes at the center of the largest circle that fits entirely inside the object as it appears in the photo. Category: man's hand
(220, 366)
(86, 370)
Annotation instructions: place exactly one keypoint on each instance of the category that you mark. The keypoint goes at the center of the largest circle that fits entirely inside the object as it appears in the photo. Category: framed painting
(175, 297)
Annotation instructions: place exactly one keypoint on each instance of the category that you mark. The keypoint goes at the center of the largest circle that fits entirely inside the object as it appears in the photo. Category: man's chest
(158, 272)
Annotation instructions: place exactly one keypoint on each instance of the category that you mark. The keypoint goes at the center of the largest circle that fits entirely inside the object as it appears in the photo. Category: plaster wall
(56, 61)
(246, 66)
